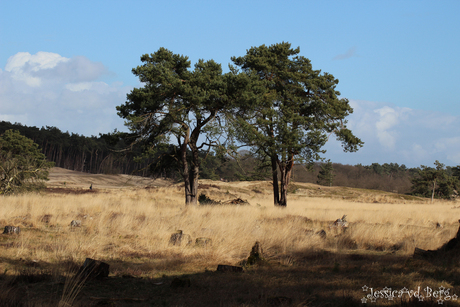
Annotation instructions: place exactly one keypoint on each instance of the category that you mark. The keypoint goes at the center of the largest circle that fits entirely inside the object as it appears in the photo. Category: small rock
(203, 242)
(93, 269)
(178, 237)
(321, 233)
(11, 229)
(46, 218)
(340, 225)
(75, 223)
(237, 201)
(175, 238)
(341, 222)
(256, 254)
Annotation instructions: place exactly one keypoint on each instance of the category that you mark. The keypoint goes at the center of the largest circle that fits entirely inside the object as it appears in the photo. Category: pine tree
(326, 175)
(189, 106)
(434, 182)
(22, 165)
(296, 114)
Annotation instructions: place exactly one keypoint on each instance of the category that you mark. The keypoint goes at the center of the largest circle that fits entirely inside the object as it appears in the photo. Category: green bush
(22, 166)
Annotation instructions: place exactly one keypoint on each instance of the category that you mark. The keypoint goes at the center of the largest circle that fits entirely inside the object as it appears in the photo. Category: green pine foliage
(183, 104)
(295, 110)
(22, 166)
(326, 174)
(435, 182)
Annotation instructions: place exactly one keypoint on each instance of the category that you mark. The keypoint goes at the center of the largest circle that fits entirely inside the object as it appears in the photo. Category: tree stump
(12, 230)
(256, 254)
(339, 226)
(175, 238)
(203, 242)
(93, 269)
(229, 268)
(46, 218)
(321, 233)
(75, 223)
(178, 237)
(237, 201)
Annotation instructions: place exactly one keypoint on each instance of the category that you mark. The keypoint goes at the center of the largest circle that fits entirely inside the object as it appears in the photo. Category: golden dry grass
(130, 229)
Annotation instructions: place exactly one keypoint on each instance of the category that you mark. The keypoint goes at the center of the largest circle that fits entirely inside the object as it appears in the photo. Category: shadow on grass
(308, 278)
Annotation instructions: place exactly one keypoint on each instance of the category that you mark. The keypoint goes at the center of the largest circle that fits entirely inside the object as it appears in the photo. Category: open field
(64, 178)
(127, 222)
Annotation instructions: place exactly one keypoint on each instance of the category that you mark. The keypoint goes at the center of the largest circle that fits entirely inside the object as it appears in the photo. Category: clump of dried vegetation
(130, 230)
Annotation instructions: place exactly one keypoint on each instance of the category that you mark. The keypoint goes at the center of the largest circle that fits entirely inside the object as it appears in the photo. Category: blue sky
(68, 63)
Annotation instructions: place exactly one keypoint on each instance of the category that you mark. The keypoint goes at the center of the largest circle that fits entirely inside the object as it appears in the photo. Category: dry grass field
(127, 222)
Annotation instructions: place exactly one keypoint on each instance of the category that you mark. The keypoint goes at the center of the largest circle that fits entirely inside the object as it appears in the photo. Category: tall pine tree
(326, 174)
(298, 111)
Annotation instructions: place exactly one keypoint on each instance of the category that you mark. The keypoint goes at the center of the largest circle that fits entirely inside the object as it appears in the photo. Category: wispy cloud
(350, 53)
(400, 135)
(48, 89)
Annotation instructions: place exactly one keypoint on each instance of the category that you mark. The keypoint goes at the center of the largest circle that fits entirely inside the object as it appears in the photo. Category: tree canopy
(295, 114)
(326, 175)
(186, 105)
(22, 165)
(435, 182)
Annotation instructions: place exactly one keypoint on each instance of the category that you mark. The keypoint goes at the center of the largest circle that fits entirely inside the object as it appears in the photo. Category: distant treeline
(102, 154)
(389, 177)
(108, 154)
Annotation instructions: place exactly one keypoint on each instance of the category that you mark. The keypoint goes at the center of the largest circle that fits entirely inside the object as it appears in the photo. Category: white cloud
(24, 66)
(46, 89)
(400, 135)
(389, 119)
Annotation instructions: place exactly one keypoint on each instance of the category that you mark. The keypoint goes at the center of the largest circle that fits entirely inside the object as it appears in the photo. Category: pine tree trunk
(284, 186)
(276, 196)
(194, 173)
(286, 170)
(194, 187)
(186, 174)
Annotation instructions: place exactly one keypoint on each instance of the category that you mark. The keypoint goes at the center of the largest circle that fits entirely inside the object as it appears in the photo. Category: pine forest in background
(107, 154)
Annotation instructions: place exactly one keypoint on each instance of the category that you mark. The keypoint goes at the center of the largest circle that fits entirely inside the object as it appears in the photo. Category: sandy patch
(64, 178)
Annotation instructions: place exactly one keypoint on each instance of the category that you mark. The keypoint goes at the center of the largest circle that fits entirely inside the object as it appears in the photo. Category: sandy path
(60, 177)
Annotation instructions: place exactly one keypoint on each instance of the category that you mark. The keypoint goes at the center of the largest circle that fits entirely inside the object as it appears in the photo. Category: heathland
(127, 221)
